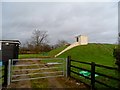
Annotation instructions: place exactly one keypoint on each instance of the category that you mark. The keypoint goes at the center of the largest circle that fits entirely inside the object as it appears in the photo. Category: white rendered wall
(83, 40)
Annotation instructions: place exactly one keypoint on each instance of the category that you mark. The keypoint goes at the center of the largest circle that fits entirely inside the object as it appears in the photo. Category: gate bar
(37, 78)
(38, 69)
(36, 64)
(38, 59)
(27, 65)
(36, 73)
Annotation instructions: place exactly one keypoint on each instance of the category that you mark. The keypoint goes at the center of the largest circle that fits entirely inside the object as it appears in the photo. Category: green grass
(44, 54)
(98, 53)
(31, 56)
(1, 74)
(56, 51)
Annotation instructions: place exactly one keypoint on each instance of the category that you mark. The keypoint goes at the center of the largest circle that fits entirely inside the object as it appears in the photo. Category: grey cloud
(61, 20)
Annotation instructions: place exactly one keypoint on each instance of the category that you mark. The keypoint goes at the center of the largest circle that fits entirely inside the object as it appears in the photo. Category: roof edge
(11, 41)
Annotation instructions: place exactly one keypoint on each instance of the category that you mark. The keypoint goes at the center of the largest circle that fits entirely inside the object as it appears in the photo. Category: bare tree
(61, 43)
(38, 39)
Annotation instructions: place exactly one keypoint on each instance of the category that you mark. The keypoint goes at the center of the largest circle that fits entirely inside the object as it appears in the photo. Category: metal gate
(35, 68)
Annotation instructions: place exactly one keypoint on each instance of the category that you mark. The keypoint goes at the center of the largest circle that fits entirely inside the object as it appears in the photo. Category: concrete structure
(80, 40)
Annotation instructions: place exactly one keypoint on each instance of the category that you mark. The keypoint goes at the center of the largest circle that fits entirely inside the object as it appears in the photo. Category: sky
(62, 20)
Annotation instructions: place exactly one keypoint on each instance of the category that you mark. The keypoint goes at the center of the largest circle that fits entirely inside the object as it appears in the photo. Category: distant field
(45, 54)
(29, 55)
(32, 55)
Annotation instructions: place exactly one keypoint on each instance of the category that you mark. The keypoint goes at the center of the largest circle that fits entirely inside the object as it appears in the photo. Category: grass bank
(98, 53)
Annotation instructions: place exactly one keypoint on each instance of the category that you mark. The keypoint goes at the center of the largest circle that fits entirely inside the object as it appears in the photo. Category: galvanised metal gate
(35, 68)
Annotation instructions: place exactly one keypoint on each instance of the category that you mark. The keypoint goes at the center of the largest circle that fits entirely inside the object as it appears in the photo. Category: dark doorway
(77, 39)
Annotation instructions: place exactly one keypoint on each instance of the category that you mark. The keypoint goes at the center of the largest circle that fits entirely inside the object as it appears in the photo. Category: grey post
(9, 72)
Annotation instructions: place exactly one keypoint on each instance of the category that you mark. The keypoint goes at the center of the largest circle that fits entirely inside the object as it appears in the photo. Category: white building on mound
(80, 40)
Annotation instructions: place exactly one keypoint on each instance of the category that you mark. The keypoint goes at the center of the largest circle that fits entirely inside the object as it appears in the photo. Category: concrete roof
(10, 41)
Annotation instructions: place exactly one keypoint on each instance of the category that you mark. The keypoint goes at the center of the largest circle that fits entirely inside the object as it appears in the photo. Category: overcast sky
(63, 21)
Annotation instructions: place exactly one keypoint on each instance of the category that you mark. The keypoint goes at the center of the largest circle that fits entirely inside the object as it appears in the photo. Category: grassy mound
(99, 53)
(56, 51)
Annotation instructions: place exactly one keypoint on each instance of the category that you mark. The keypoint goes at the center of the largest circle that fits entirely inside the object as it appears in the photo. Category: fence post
(68, 66)
(9, 72)
(5, 74)
(92, 76)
